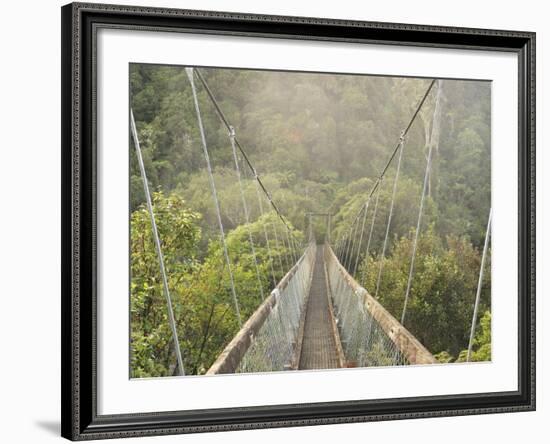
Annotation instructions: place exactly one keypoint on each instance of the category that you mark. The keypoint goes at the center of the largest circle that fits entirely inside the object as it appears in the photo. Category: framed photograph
(280, 221)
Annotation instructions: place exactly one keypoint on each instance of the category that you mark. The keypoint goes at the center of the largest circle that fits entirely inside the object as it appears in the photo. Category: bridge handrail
(230, 358)
(410, 347)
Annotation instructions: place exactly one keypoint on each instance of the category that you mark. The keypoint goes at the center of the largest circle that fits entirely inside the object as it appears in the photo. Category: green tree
(443, 288)
(482, 341)
(201, 292)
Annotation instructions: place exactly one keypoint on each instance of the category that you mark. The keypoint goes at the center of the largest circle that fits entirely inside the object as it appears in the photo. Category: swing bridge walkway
(317, 316)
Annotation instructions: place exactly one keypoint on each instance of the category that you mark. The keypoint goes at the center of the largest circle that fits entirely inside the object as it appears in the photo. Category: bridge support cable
(158, 247)
(302, 252)
(284, 252)
(276, 324)
(343, 251)
(404, 133)
(354, 257)
(338, 245)
(274, 329)
(287, 260)
(347, 252)
(479, 286)
(246, 213)
(434, 134)
(343, 244)
(278, 248)
(345, 258)
(296, 247)
(341, 241)
(300, 284)
(348, 243)
(358, 256)
(288, 246)
(264, 229)
(293, 256)
(226, 123)
(292, 251)
(294, 289)
(190, 75)
(390, 215)
(354, 237)
(367, 251)
(346, 239)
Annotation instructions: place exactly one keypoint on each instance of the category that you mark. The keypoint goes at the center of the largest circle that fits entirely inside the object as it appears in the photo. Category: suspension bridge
(317, 316)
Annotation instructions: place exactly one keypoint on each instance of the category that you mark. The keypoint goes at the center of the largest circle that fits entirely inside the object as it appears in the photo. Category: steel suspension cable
(337, 245)
(225, 121)
(343, 243)
(290, 249)
(273, 333)
(383, 252)
(364, 274)
(351, 234)
(278, 327)
(357, 258)
(347, 244)
(292, 261)
(158, 247)
(421, 208)
(479, 286)
(341, 248)
(345, 239)
(246, 213)
(287, 261)
(354, 236)
(301, 277)
(296, 247)
(264, 228)
(214, 194)
(403, 135)
(279, 254)
(291, 252)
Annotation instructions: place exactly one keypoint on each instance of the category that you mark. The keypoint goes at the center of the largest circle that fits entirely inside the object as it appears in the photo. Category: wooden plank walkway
(319, 344)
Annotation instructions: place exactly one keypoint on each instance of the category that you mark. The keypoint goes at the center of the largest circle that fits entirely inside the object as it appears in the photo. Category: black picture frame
(79, 395)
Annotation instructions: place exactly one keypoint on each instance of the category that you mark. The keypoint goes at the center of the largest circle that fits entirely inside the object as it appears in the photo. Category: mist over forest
(318, 142)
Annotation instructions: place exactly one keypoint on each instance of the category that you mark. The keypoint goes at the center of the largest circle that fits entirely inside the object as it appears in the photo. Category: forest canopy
(318, 142)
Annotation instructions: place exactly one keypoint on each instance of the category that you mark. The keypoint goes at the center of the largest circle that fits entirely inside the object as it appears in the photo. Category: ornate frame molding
(79, 413)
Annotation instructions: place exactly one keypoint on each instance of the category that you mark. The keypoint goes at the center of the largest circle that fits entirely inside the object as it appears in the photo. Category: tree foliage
(318, 142)
(200, 290)
(443, 288)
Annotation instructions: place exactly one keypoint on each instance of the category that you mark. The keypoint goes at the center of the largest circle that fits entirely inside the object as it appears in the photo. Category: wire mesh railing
(268, 340)
(370, 336)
